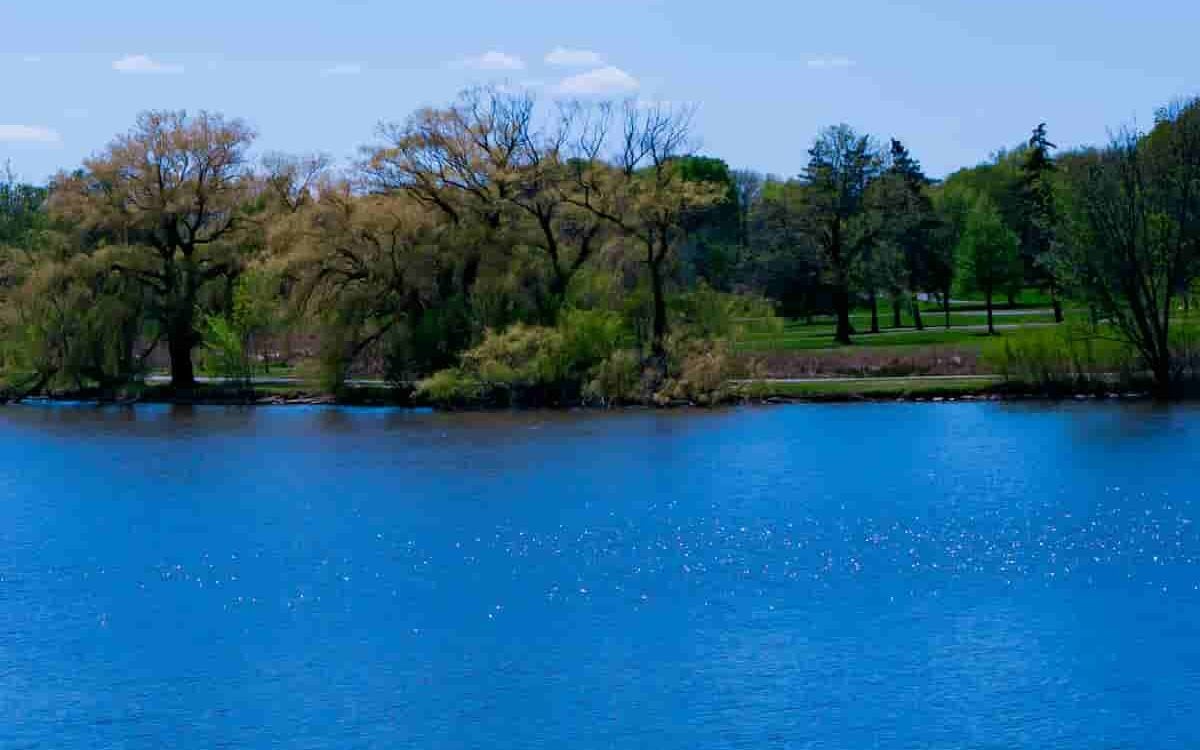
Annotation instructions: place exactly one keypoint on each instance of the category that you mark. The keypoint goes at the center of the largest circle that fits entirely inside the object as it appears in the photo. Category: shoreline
(865, 390)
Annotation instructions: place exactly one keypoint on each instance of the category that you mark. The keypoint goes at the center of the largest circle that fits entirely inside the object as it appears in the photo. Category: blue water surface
(841, 576)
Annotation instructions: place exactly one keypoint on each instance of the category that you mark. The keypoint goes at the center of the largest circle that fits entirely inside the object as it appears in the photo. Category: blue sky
(955, 80)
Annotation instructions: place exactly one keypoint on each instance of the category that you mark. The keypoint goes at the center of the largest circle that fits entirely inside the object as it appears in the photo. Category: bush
(520, 357)
(700, 373)
(451, 386)
(708, 314)
(617, 380)
(224, 350)
(538, 364)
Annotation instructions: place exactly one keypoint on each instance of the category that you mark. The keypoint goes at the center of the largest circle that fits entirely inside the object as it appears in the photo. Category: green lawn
(873, 387)
(792, 341)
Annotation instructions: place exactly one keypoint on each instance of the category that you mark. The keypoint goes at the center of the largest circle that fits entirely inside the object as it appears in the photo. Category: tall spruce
(1040, 220)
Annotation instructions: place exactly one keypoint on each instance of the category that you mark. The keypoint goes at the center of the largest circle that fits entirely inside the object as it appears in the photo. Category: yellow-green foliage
(450, 386)
(526, 358)
(618, 379)
(523, 355)
(701, 372)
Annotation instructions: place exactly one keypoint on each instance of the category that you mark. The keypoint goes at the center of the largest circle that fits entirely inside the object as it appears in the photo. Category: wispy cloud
(492, 60)
(606, 80)
(574, 58)
(28, 134)
(31, 59)
(821, 63)
(143, 64)
(343, 69)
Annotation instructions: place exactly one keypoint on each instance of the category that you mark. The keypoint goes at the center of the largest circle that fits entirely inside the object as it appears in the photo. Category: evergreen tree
(910, 222)
(1039, 214)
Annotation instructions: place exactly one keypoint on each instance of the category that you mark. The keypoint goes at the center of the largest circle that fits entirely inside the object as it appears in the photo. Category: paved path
(268, 380)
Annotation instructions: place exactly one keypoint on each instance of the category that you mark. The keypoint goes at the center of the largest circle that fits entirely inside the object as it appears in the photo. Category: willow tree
(163, 203)
(641, 188)
(368, 268)
(487, 162)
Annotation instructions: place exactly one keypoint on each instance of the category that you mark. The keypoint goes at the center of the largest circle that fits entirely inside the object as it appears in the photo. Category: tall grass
(1066, 356)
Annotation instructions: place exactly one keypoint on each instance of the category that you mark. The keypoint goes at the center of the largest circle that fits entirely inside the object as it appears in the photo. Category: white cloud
(573, 58)
(822, 63)
(343, 69)
(492, 60)
(143, 64)
(31, 59)
(606, 80)
(28, 134)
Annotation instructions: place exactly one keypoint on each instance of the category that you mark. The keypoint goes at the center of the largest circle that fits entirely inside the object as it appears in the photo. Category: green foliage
(710, 314)
(223, 351)
(988, 251)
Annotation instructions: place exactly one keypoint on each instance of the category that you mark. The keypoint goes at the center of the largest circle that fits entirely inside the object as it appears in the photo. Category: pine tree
(1040, 215)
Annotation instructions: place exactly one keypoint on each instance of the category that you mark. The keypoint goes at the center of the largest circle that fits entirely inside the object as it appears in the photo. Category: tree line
(553, 253)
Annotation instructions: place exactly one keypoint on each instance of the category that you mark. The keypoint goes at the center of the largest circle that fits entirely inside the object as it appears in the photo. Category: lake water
(842, 576)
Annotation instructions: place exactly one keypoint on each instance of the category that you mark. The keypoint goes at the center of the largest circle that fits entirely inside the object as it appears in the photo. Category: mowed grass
(804, 341)
(966, 328)
(873, 388)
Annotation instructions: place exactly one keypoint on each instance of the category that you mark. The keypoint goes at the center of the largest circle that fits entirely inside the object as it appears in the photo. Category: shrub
(617, 380)
(539, 364)
(451, 386)
(700, 372)
(708, 314)
(520, 357)
(224, 350)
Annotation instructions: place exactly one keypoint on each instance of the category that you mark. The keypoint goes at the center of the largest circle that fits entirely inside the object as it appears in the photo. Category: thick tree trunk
(1055, 302)
(988, 299)
(896, 322)
(916, 313)
(179, 348)
(1161, 370)
(874, 312)
(841, 306)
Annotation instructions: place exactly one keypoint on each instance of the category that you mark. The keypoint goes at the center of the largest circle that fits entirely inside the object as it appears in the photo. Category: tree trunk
(988, 299)
(874, 312)
(658, 337)
(896, 322)
(916, 313)
(179, 348)
(946, 307)
(841, 305)
(1012, 300)
(1160, 370)
(1055, 302)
